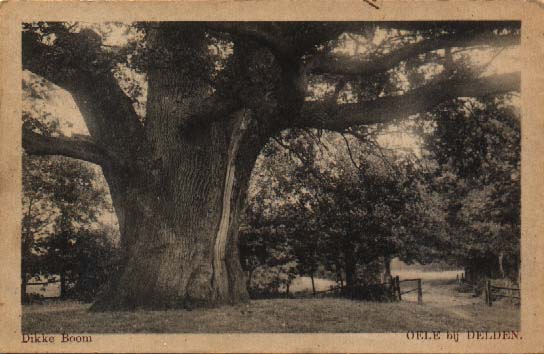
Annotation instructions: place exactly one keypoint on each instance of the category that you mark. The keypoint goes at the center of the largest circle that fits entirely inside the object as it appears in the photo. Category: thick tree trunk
(180, 202)
(180, 225)
(180, 229)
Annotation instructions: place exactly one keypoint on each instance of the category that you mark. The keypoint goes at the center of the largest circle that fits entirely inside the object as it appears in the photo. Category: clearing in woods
(443, 309)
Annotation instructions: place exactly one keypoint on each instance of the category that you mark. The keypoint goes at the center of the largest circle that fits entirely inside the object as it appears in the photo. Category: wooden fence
(461, 278)
(492, 292)
(418, 288)
(50, 281)
(395, 286)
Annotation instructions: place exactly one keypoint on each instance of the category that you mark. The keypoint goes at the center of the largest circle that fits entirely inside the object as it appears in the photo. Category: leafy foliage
(343, 215)
(315, 205)
(477, 146)
(63, 200)
(61, 232)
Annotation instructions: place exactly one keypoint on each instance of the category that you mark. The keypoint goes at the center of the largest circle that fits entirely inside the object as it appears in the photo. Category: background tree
(36, 187)
(63, 200)
(215, 94)
(61, 209)
(481, 181)
(346, 205)
(266, 254)
(62, 206)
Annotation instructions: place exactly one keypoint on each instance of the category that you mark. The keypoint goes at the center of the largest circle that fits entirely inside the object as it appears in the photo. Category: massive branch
(388, 109)
(78, 148)
(343, 65)
(74, 63)
(256, 32)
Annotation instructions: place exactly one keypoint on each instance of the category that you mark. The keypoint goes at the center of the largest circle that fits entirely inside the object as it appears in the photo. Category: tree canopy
(307, 58)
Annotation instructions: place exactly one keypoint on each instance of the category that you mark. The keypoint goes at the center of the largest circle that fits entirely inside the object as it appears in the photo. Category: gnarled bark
(180, 225)
(180, 207)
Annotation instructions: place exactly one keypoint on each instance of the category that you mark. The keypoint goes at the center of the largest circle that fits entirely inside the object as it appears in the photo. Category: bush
(85, 259)
(272, 281)
(464, 288)
(94, 271)
(372, 292)
(28, 299)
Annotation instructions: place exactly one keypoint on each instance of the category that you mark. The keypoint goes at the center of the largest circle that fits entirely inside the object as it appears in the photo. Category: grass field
(443, 309)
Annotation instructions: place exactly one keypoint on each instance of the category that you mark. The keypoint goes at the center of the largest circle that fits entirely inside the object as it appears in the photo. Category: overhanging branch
(254, 32)
(74, 63)
(77, 148)
(387, 109)
(343, 65)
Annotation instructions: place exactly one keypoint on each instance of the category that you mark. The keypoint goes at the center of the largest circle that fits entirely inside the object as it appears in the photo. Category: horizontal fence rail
(503, 288)
(409, 291)
(419, 289)
(393, 286)
(44, 282)
(491, 292)
(415, 279)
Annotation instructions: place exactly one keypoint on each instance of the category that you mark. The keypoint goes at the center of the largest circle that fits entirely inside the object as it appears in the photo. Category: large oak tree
(216, 93)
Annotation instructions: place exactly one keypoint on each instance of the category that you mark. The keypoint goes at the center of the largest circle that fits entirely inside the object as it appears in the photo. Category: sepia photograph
(271, 177)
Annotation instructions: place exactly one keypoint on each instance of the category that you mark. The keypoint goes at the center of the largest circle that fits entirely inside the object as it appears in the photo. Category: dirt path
(444, 295)
(441, 293)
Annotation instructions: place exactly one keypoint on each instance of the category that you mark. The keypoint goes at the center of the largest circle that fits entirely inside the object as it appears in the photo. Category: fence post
(419, 292)
(488, 298)
(397, 286)
(389, 284)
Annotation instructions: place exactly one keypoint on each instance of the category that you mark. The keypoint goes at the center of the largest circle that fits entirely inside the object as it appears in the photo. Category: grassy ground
(443, 309)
